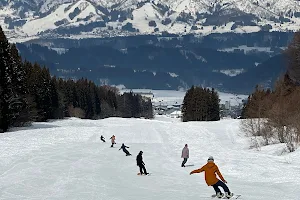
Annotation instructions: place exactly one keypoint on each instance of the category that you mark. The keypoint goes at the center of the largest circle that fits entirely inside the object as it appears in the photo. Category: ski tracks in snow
(69, 161)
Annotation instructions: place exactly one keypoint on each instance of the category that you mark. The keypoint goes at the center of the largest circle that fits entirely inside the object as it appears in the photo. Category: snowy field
(65, 159)
(174, 96)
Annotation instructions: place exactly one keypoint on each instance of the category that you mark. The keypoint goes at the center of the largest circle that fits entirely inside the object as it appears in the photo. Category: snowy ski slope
(65, 159)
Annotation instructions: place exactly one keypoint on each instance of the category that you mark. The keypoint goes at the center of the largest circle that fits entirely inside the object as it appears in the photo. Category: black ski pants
(142, 168)
(126, 151)
(183, 162)
(222, 185)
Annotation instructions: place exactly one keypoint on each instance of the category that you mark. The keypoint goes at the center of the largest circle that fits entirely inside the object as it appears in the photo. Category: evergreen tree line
(275, 115)
(29, 93)
(200, 104)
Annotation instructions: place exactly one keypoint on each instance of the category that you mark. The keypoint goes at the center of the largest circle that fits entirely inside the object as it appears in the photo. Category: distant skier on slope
(141, 164)
(184, 155)
(210, 170)
(102, 138)
(113, 138)
(123, 147)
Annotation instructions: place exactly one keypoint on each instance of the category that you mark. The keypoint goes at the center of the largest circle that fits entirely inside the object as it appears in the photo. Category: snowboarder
(123, 147)
(113, 138)
(102, 138)
(185, 155)
(210, 170)
(141, 164)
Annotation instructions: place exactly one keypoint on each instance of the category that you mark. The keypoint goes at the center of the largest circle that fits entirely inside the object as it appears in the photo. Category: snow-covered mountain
(27, 19)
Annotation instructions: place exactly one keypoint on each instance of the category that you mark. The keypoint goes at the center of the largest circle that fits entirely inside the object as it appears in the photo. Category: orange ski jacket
(210, 170)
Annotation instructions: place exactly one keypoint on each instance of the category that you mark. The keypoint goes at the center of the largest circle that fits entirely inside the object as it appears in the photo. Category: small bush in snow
(152, 23)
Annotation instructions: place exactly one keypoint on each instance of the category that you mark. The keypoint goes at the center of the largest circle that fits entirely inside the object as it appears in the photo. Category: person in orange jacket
(210, 170)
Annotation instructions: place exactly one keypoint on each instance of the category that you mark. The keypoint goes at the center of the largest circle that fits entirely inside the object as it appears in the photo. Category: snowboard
(143, 174)
(235, 196)
(190, 165)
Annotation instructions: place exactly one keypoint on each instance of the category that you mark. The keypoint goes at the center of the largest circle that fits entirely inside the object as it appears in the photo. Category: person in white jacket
(185, 155)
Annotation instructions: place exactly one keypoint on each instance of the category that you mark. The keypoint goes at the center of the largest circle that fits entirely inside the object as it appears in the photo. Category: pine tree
(127, 105)
(45, 95)
(257, 106)
(12, 87)
(97, 102)
(19, 84)
(215, 107)
(5, 82)
(188, 104)
(90, 112)
(147, 109)
(62, 91)
(200, 105)
(30, 112)
(292, 54)
(56, 102)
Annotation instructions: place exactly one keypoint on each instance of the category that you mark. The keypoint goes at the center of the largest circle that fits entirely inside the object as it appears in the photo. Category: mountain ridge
(27, 19)
(150, 66)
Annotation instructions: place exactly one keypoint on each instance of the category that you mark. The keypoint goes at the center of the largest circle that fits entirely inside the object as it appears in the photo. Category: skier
(102, 138)
(113, 138)
(123, 147)
(185, 155)
(210, 170)
(141, 164)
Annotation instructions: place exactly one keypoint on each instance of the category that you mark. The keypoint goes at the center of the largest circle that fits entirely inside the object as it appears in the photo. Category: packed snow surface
(65, 159)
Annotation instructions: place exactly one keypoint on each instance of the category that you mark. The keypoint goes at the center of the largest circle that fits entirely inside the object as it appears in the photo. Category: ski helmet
(210, 159)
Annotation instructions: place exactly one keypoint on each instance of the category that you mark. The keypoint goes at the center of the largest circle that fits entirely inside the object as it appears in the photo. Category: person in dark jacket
(102, 138)
(123, 147)
(141, 164)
